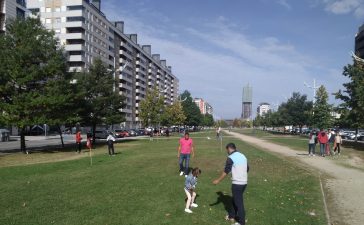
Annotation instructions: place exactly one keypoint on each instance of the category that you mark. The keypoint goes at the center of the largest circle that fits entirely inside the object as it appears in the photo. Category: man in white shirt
(110, 144)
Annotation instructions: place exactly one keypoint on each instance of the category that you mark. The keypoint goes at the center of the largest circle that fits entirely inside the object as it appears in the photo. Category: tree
(100, 103)
(208, 120)
(298, 110)
(32, 65)
(191, 110)
(352, 96)
(152, 108)
(221, 123)
(173, 115)
(322, 109)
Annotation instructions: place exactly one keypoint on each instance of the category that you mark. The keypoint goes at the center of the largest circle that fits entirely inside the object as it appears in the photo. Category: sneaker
(181, 173)
(194, 205)
(188, 211)
(227, 218)
(186, 176)
(236, 223)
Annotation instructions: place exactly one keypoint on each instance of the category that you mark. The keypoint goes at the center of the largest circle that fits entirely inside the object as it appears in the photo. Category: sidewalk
(344, 185)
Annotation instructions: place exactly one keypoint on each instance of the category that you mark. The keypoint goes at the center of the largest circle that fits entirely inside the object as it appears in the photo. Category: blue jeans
(186, 158)
(322, 149)
(238, 210)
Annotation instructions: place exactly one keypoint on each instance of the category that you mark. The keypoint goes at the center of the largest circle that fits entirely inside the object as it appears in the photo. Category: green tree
(352, 96)
(221, 123)
(152, 108)
(100, 104)
(208, 120)
(191, 110)
(173, 115)
(322, 109)
(298, 110)
(32, 65)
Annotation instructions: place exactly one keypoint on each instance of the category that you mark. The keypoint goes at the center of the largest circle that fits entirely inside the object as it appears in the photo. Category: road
(41, 142)
(344, 186)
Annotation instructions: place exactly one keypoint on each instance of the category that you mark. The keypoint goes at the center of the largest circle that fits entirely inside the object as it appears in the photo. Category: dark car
(132, 133)
(101, 134)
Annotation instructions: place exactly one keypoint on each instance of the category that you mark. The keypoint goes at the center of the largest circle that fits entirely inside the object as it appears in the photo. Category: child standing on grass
(190, 186)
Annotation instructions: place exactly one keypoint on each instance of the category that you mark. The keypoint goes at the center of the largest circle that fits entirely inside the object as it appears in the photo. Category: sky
(216, 47)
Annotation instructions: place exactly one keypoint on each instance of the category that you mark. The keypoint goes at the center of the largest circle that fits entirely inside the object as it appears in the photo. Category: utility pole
(314, 87)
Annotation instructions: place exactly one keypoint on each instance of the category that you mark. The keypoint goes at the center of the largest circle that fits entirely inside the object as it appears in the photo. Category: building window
(48, 20)
(57, 9)
(57, 20)
(75, 7)
(75, 18)
(48, 9)
(22, 3)
(57, 31)
(34, 11)
(20, 13)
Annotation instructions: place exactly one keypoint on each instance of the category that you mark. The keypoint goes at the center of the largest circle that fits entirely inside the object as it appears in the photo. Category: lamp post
(314, 87)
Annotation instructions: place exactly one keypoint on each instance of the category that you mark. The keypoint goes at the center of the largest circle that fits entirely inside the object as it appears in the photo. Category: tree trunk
(60, 135)
(93, 133)
(22, 140)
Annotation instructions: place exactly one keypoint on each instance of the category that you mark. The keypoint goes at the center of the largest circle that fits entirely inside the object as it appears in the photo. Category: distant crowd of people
(329, 141)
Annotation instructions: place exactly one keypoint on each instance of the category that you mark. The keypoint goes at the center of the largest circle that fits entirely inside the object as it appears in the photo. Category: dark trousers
(79, 146)
(238, 211)
(186, 158)
(337, 147)
(110, 146)
(311, 148)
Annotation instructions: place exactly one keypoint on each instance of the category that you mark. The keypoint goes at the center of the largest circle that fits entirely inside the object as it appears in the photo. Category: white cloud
(339, 7)
(284, 3)
(231, 60)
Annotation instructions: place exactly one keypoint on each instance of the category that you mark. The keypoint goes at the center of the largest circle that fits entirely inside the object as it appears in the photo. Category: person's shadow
(224, 199)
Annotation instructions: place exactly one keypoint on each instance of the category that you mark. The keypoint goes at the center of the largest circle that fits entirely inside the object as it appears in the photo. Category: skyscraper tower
(247, 102)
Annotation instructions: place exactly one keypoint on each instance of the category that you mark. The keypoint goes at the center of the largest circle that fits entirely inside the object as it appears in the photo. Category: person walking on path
(322, 139)
(78, 141)
(110, 144)
(312, 144)
(331, 141)
(237, 164)
(338, 143)
(185, 149)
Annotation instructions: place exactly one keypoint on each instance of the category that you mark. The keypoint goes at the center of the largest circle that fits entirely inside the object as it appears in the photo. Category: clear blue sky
(215, 47)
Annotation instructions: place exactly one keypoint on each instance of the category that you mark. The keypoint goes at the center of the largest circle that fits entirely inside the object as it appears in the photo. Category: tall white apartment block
(11, 9)
(86, 33)
(263, 108)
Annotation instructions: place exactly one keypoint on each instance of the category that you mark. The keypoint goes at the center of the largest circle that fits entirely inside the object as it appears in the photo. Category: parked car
(132, 133)
(121, 133)
(101, 134)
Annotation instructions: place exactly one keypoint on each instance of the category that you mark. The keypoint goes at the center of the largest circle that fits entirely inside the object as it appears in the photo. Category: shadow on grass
(358, 146)
(223, 199)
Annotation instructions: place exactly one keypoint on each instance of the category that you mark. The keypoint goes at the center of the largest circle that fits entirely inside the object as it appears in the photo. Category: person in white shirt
(110, 144)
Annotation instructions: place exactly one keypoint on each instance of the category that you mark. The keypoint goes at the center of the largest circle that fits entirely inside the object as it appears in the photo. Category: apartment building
(86, 33)
(263, 108)
(205, 107)
(11, 9)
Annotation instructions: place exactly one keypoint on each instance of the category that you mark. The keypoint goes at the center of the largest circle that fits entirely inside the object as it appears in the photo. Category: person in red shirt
(185, 149)
(322, 139)
(78, 141)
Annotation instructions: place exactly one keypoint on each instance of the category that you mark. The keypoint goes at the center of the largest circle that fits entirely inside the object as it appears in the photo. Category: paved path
(345, 186)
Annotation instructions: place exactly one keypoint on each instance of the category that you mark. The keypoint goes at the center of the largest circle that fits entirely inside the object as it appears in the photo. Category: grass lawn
(140, 185)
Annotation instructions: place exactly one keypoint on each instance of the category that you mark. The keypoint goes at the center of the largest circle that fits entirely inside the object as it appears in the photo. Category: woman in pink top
(185, 149)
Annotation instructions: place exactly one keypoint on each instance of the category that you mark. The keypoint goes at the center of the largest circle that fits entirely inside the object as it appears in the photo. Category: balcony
(75, 24)
(74, 47)
(125, 53)
(76, 58)
(125, 86)
(75, 36)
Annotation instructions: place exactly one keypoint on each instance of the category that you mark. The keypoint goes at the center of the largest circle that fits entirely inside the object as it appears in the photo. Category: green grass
(141, 186)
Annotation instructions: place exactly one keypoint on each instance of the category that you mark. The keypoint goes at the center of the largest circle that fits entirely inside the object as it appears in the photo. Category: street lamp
(313, 87)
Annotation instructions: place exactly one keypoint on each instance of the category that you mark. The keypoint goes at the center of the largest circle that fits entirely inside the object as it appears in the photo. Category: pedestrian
(237, 164)
(185, 149)
(312, 144)
(322, 139)
(190, 187)
(338, 143)
(110, 144)
(167, 132)
(218, 131)
(331, 138)
(89, 142)
(78, 141)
